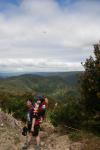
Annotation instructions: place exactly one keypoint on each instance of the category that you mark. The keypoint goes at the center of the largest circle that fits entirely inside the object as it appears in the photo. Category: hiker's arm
(33, 119)
(33, 123)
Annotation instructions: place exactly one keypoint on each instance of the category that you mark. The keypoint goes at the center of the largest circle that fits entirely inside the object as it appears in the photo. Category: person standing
(33, 125)
(35, 116)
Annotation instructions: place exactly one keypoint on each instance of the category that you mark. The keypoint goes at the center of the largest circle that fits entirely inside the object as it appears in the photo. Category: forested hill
(49, 83)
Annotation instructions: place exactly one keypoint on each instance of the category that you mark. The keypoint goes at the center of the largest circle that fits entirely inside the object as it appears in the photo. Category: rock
(77, 146)
(1, 124)
(42, 143)
(7, 119)
(3, 117)
(48, 127)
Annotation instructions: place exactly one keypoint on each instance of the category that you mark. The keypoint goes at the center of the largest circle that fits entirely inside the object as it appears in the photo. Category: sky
(47, 35)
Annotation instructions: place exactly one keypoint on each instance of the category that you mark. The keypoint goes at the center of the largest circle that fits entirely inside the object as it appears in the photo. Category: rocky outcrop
(7, 119)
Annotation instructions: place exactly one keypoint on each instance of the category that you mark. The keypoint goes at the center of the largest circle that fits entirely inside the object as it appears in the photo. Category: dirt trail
(11, 138)
(51, 138)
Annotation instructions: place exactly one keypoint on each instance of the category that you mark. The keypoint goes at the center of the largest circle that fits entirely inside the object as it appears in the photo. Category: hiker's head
(37, 99)
(40, 100)
(29, 103)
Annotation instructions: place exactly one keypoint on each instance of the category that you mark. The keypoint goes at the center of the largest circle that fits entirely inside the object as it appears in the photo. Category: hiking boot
(25, 146)
(37, 147)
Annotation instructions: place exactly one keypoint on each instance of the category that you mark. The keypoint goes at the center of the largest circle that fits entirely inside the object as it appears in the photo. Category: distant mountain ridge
(8, 74)
(45, 83)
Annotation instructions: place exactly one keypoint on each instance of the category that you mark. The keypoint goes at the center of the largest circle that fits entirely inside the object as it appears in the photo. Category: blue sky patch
(9, 1)
(64, 3)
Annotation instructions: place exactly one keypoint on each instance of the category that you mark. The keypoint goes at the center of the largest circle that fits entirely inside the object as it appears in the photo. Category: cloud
(41, 34)
(30, 65)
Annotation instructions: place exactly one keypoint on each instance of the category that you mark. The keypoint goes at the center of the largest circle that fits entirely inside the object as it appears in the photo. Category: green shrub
(68, 113)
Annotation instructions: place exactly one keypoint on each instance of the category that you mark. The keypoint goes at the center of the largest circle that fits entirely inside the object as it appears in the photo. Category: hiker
(35, 116)
(43, 103)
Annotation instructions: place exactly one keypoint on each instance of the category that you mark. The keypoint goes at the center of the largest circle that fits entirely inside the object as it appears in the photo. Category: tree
(90, 83)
